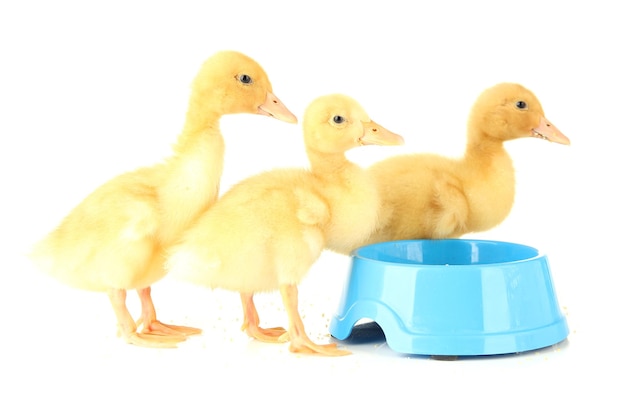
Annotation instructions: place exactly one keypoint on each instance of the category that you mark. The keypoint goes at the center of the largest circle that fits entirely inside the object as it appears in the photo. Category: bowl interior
(446, 252)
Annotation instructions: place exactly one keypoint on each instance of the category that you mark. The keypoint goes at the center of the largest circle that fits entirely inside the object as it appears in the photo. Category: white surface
(87, 92)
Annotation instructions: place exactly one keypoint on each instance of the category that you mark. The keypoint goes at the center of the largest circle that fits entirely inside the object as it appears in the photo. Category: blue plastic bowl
(452, 297)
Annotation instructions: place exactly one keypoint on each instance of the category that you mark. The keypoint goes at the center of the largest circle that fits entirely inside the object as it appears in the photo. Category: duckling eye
(245, 79)
(520, 104)
(338, 119)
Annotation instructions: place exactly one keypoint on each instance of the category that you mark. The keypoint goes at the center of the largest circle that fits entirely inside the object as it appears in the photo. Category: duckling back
(274, 219)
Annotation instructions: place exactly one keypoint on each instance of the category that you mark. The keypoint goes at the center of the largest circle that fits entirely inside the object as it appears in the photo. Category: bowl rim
(537, 253)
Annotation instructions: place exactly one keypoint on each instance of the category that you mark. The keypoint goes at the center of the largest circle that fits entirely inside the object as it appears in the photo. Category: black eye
(520, 104)
(246, 79)
(338, 119)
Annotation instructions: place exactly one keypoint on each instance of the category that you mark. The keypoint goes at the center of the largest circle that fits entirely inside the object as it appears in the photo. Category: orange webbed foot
(304, 345)
(154, 334)
(300, 342)
(251, 323)
(267, 335)
(154, 328)
(158, 328)
(153, 341)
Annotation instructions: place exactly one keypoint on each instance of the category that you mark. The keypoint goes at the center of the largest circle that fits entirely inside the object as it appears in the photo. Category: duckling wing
(421, 197)
(106, 240)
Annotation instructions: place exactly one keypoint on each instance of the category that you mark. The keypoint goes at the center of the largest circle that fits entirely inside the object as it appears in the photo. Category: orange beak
(374, 134)
(549, 132)
(274, 108)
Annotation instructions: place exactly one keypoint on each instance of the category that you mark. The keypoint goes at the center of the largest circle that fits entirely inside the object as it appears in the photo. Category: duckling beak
(374, 134)
(274, 108)
(546, 130)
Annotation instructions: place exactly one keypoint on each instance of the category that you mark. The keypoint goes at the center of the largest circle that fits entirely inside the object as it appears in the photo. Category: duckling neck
(197, 120)
(327, 164)
(352, 196)
(489, 181)
(192, 175)
(481, 144)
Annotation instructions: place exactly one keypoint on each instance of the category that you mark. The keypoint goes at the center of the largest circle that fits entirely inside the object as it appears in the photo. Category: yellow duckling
(268, 230)
(115, 239)
(432, 196)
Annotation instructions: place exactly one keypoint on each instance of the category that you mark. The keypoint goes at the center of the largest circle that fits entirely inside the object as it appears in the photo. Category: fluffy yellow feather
(115, 239)
(267, 230)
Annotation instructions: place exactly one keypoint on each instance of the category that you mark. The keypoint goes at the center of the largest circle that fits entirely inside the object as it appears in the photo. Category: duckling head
(336, 123)
(230, 82)
(509, 111)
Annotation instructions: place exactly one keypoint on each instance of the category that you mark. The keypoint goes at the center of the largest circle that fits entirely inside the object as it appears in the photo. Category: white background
(92, 89)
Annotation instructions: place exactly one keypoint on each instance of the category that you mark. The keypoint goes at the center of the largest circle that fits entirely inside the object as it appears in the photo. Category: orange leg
(300, 342)
(151, 326)
(251, 323)
(128, 327)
